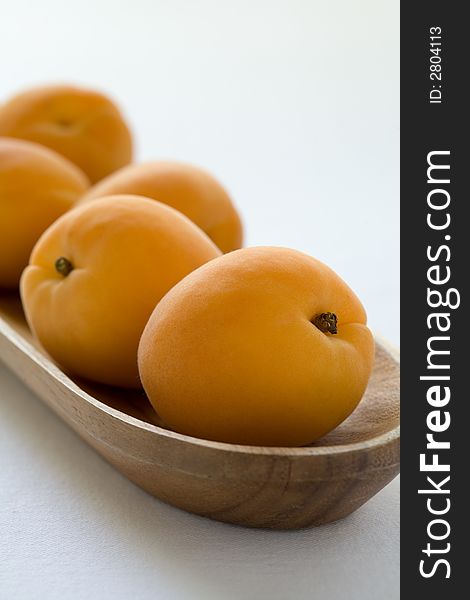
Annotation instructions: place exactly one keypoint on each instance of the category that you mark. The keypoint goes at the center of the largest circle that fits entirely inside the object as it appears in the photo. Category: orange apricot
(262, 346)
(189, 189)
(37, 185)
(83, 125)
(96, 275)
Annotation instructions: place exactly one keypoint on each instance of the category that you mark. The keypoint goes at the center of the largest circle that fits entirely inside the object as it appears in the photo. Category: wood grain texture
(281, 488)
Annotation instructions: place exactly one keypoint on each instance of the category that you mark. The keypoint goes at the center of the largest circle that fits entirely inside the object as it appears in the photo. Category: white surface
(294, 106)
(73, 528)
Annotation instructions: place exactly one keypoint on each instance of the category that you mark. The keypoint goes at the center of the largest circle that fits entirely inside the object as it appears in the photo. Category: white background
(294, 106)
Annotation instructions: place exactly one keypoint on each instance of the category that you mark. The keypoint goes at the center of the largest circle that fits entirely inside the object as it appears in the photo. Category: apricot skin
(37, 185)
(187, 188)
(126, 253)
(82, 125)
(231, 353)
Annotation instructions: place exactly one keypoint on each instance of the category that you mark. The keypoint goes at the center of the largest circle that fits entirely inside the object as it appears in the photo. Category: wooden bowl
(279, 488)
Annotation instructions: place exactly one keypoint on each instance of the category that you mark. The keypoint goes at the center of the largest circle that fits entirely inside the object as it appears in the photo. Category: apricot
(82, 125)
(96, 275)
(187, 188)
(263, 346)
(37, 185)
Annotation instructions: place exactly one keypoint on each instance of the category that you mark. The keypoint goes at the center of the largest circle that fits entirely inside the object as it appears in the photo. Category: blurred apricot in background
(83, 125)
(37, 186)
(189, 189)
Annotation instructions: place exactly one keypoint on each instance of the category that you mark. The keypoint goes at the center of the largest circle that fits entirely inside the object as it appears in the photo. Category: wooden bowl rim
(305, 451)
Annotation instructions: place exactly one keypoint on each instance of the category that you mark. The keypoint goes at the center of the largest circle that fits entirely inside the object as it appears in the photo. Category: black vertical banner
(435, 265)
